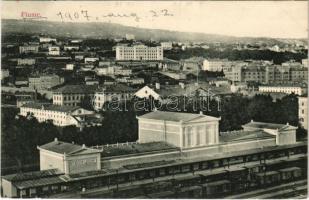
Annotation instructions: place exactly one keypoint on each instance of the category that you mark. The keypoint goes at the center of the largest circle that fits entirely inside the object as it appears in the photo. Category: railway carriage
(216, 188)
(290, 173)
(192, 192)
(267, 178)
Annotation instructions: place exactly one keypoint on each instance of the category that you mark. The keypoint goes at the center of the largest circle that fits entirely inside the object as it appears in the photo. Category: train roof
(267, 173)
(215, 183)
(289, 169)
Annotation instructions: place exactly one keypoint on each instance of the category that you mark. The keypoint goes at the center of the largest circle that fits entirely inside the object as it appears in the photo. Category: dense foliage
(233, 54)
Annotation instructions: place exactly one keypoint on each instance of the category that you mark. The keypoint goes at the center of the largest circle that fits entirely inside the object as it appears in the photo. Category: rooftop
(243, 135)
(48, 106)
(32, 175)
(175, 116)
(76, 89)
(117, 88)
(264, 125)
(135, 148)
(66, 148)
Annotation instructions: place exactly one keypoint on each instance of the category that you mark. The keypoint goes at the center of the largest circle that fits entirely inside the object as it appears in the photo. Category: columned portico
(200, 135)
(185, 130)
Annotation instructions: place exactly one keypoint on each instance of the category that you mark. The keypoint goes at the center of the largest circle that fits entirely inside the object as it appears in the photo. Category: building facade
(29, 49)
(184, 130)
(73, 95)
(45, 82)
(47, 39)
(303, 111)
(110, 93)
(215, 64)
(54, 51)
(69, 158)
(58, 115)
(285, 133)
(25, 61)
(139, 52)
(282, 89)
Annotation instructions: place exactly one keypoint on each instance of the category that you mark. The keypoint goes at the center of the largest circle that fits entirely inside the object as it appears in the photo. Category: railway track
(275, 192)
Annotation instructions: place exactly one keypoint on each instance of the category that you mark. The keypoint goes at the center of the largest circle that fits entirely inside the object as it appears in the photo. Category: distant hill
(111, 30)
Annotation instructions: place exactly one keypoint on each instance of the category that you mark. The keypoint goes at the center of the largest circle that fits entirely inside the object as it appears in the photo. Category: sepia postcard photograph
(154, 99)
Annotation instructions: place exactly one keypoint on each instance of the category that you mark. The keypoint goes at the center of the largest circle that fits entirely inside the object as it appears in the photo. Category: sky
(277, 19)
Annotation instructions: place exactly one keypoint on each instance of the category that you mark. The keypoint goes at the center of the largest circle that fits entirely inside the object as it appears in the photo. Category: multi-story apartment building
(299, 74)
(54, 51)
(29, 49)
(110, 93)
(283, 89)
(45, 82)
(233, 73)
(268, 74)
(25, 61)
(256, 74)
(58, 115)
(139, 52)
(303, 111)
(73, 95)
(215, 64)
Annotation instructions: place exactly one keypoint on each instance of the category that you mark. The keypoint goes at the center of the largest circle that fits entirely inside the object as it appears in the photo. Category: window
(303, 111)
(54, 187)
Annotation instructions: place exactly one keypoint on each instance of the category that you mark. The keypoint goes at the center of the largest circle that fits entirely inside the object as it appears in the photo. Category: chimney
(72, 142)
(251, 120)
(287, 123)
(158, 86)
(56, 139)
(201, 113)
(84, 146)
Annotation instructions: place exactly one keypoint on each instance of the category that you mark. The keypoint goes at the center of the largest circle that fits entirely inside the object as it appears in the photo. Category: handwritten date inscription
(85, 15)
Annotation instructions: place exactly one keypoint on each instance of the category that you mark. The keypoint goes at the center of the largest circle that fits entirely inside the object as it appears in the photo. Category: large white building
(184, 130)
(47, 39)
(59, 115)
(303, 112)
(282, 89)
(139, 52)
